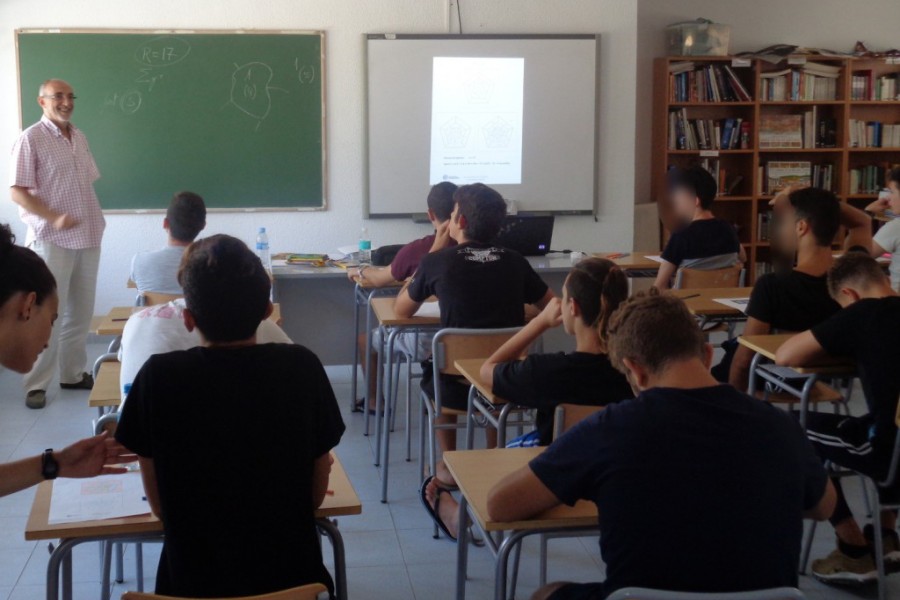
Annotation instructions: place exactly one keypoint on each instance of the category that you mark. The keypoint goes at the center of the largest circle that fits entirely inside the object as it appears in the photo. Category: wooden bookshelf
(747, 201)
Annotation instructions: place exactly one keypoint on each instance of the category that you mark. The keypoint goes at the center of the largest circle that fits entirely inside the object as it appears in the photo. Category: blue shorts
(580, 591)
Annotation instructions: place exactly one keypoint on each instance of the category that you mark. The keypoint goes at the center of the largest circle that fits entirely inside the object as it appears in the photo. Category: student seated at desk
(592, 291)
(157, 271)
(405, 263)
(699, 240)
(887, 238)
(478, 286)
(699, 487)
(234, 439)
(867, 331)
(807, 221)
(28, 305)
(161, 328)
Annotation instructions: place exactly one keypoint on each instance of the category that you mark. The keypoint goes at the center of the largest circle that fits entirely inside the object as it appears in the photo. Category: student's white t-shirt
(157, 271)
(888, 237)
(160, 328)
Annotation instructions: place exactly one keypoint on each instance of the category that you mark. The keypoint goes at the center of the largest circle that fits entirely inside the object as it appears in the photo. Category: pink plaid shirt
(60, 173)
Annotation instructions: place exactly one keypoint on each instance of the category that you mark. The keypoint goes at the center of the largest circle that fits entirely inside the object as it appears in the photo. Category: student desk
(813, 389)
(484, 401)
(363, 292)
(635, 264)
(343, 502)
(390, 326)
(113, 323)
(106, 393)
(476, 472)
(702, 302)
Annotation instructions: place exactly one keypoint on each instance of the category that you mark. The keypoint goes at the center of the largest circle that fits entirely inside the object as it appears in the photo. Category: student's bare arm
(739, 376)
(519, 496)
(23, 198)
(664, 275)
(825, 508)
(405, 307)
(376, 276)
(800, 351)
(876, 250)
(859, 227)
(148, 474)
(321, 473)
(516, 347)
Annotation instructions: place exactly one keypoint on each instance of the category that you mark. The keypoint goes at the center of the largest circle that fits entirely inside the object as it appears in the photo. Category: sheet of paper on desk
(105, 497)
(429, 309)
(655, 258)
(736, 303)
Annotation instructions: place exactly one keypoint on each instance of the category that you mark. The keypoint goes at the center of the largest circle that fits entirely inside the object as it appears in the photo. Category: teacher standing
(52, 179)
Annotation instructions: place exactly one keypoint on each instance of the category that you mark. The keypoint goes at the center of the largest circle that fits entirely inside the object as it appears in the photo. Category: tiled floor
(390, 551)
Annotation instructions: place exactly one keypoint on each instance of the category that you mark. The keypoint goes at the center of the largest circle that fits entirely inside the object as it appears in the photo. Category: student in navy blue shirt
(698, 487)
(699, 240)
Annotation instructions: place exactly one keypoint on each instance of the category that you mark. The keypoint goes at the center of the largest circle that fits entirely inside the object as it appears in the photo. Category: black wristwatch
(49, 466)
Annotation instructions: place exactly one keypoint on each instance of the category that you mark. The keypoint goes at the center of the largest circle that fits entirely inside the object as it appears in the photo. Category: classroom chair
(889, 481)
(448, 346)
(313, 591)
(635, 593)
(728, 277)
(155, 298)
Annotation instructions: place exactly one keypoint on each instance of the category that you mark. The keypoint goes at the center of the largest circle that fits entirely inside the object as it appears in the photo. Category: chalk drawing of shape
(455, 133)
(497, 133)
(250, 90)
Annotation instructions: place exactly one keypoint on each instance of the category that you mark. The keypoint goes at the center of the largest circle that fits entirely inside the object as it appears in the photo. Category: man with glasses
(52, 177)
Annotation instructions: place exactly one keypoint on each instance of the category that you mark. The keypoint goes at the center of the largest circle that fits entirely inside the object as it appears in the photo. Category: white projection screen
(517, 112)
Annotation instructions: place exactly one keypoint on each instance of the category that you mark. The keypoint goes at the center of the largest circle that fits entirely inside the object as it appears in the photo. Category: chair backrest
(313, 591)
(567, 415)
(154, 298)
(895, 460)
(634, 593)
(716, 278)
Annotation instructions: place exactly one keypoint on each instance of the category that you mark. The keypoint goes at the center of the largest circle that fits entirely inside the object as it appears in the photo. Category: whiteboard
(554, 131)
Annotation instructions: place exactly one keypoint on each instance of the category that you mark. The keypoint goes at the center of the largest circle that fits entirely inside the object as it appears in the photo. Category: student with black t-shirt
(478, 286)
(592, 291)
(256, 423)
(867, 331)
(699, 240)
(807, 221)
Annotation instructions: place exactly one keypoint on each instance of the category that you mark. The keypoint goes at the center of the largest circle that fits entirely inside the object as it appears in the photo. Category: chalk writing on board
(128, 102)
(251, 90)
(306, 74)
(149, 77)
(162, 51)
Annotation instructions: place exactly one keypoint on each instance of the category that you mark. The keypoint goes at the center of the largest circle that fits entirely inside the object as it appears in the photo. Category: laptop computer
(528, 235)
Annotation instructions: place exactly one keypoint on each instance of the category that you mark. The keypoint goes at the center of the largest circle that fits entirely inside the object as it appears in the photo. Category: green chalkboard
(235, 117)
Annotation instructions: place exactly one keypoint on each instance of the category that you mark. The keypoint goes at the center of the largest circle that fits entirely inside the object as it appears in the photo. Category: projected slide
(476, 120)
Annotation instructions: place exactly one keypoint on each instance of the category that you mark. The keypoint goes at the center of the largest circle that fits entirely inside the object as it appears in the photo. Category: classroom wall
(345, 22)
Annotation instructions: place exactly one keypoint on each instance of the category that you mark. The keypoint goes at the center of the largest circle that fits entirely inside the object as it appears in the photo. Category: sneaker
(86, 383)
(840, 569)
(891, 544)
(36, 399)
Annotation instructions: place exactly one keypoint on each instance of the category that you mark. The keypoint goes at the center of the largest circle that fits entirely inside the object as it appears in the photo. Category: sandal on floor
(358, 407)
(435, 510)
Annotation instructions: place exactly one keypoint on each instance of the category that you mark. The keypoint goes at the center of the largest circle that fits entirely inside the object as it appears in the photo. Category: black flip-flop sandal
(358, 407)
(434, 511)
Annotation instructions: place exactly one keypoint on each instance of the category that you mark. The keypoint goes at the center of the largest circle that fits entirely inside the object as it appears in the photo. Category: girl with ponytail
(28, 306)
(593, 290)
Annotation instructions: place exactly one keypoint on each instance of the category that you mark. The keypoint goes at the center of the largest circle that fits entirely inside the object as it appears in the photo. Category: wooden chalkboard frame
(319, 32)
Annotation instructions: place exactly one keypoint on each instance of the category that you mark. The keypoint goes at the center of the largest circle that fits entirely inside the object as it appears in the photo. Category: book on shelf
(689, 82)
(865, 86)
(780, 175)
(763, 268)
(764, 225)
(726, 182)
(874, 134)
(811, 81)
(780, 131)
(869, 179)
(822, 176)
(706, 134)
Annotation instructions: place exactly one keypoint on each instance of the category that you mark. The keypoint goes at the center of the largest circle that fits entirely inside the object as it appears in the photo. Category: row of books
(726, 182)
(868, 179)
(706, 83)
(797, 131)
(865, 86)
(764, 225)
(812, 81)
(707, 134)
(874, 134)
(775, 176)
(763, 268)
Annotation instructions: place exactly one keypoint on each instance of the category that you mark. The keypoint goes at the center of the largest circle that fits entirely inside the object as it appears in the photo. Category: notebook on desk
(529, 235)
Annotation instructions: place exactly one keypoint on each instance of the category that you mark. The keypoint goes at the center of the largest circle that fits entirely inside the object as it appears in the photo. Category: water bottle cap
(262, 229)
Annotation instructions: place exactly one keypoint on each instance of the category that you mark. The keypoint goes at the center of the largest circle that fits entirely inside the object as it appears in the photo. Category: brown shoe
(86, 383)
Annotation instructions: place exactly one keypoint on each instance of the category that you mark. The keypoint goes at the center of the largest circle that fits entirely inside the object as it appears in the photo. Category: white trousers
(76, 284)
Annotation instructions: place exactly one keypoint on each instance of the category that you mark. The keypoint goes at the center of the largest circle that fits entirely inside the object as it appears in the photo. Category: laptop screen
(529, 235)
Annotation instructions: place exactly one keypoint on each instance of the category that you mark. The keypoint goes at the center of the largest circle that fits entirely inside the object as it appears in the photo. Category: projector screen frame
(419, 215)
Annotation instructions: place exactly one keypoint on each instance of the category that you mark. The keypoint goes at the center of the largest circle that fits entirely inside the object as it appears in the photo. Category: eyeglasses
(59, 97)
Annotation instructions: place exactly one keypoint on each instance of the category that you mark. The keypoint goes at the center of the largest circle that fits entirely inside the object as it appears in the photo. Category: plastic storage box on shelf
(697, 38)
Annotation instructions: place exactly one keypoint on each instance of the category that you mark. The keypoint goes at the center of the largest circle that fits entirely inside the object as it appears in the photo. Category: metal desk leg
(355, 373)
(340, 564)
(502, 566)
(470, 418)
(462, 549)
(67, 576)
(367, 395)
(385, 435)
(804, 398)
(754, 364)
(106, 557)
(501, 424)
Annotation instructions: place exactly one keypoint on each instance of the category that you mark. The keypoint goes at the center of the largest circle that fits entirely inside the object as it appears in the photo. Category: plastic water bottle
(262, 249)
(365, 247)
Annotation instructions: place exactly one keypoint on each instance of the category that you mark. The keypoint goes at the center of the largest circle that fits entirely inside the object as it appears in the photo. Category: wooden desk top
(477, 471)
(343, 502)
(114, 322)
(384, 312)
(106, 388)
(705, 305)
(768, 346)
(634, 261)
(471, 370)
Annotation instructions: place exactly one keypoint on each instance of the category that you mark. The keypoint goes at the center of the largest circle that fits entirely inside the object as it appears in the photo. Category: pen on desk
(329, 492)
(614, 255)
(122, 319)
(688, 297)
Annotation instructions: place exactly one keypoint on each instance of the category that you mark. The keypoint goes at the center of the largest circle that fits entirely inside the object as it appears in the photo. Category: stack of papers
(736, 303)
(104, 497)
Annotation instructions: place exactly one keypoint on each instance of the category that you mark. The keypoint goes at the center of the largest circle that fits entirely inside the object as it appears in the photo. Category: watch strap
(49, 465)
